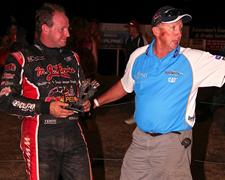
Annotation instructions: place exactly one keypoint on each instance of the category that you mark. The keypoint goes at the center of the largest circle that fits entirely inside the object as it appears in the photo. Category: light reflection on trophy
(87, 91)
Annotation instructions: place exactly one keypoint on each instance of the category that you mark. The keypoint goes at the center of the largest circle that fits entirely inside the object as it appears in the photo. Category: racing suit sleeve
(12, 98)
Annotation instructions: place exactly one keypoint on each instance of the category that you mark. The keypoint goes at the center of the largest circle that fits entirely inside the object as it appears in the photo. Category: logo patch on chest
(173, 76)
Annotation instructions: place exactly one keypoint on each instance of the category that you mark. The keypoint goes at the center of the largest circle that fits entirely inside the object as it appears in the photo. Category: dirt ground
(109, 137)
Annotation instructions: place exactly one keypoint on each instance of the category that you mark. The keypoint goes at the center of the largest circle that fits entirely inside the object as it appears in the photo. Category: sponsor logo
(55, 71)
(62, 94)
(73, 117)
(173, 76)
(35, 58)
(141, 75)
(10, 67)
(174, 73)
(172, 79)
(5, 91)
(8, 76)
(50, 121)
(43, 83)
(70, 99)
(6, 83)
(23, 106)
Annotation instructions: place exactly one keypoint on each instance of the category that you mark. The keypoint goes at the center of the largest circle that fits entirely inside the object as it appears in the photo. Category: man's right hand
(58, 109)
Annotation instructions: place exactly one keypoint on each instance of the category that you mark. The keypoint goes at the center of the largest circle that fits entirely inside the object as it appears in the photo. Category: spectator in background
(94, 30)
(134, 41)
(12, 38)
(81, 41)
(7, 37)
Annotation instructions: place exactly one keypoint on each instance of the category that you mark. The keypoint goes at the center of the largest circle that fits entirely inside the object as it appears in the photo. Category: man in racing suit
(36, 84)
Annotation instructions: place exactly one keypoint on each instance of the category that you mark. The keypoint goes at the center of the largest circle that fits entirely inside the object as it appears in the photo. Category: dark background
(120, 11)
(205, 14)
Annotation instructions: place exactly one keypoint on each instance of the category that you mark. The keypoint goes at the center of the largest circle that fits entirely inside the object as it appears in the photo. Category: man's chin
(174, 45)
(61, 45)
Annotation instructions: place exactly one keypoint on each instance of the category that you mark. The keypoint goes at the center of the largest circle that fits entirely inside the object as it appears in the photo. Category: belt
(158, 134)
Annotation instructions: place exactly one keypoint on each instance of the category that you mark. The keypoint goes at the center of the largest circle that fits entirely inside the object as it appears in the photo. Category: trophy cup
(87, 91)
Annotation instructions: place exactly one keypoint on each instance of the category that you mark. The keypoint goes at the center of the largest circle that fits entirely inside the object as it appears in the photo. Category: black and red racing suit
(31, 80)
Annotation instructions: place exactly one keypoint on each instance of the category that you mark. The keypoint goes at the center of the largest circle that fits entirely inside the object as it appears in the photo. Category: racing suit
(31, 80)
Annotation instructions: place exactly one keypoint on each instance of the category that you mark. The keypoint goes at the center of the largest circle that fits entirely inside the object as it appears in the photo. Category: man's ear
(45, 28)
(156, 31)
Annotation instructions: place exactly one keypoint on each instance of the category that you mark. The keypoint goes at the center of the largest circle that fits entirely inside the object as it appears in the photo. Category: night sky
(120, 11)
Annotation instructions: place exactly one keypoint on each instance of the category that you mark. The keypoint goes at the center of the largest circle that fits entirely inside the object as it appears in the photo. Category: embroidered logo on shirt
(141, 75)
(174, 73)
(173, 76)
(172, 79)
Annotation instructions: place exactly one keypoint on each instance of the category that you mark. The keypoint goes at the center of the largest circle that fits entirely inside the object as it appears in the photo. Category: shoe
(130, 121)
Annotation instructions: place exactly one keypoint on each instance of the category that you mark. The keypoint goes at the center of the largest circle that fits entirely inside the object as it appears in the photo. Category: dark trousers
(64, 154)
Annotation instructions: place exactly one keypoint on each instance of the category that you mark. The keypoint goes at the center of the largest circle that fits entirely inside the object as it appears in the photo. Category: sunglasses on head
(168, 14)
(172, 12)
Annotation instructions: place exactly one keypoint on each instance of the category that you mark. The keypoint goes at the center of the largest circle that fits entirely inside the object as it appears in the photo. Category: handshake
(87, 91)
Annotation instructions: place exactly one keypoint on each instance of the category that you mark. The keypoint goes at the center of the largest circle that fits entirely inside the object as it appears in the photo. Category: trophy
(87, 91)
